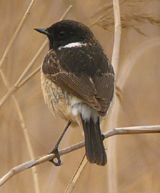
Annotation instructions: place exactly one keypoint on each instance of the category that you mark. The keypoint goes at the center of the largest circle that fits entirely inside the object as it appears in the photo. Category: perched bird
(78, 81)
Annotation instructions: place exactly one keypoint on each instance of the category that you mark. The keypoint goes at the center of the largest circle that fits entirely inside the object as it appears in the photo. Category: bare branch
(117, 35)
(16, 32)
(117, 131)
(66, 12)
(25, 132)
(76, 176)
(128, 20)
(30, 76)
(17, 85)
(112, 169)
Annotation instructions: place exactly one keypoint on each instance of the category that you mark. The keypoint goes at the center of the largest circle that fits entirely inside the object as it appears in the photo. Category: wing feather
(97, 90)
(80, 87)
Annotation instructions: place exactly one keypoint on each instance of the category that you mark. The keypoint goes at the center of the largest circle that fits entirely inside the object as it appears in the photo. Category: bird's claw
(103, 137)
(58, 161)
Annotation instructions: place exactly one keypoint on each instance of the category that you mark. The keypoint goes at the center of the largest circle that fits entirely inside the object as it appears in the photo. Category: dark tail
(95, 151)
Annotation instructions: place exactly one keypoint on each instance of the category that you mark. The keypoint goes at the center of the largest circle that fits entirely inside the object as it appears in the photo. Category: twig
(117, 35)
(107, 9)
(112, 169)
(123, 76)
(117, 131)
(38, 69)
(16, 32)
(65, 13)
(25, 132)
(76, 176)
(26, 135)
(29, 77)
(17, 84)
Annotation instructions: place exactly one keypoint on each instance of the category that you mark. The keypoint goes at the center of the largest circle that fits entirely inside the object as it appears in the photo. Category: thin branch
(29, 77)
(133, 130)
(106, 9)
(16, 32)
(76, 176)
(29, 66)
(112, 169)
(25, 132)
(114, 132)
(128, 20)
(132, 57)
(66, 12)
(117, 35)
(26, 135)
(17, 85)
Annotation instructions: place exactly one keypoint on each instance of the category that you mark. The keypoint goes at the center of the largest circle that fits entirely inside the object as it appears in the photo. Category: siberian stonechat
(78, 81)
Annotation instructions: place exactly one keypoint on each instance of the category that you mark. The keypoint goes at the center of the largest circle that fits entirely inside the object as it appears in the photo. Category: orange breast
(57, 99)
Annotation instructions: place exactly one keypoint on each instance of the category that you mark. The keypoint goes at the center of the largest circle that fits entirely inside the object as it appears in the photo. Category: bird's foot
(103, 137)
(58, 161)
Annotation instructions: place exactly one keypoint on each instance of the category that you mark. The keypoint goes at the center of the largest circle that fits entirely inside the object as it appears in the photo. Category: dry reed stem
(128, 21)
(65, 13)
(107, 9)
(29, 77)
(21, 82)
(16, 86)
(112, 169)
(115, 60)
(116, 131)
(76, 176)
(117, 35)
(121, 81)
(26, 135)
(123, 76)
(34, 172)
(16, 32)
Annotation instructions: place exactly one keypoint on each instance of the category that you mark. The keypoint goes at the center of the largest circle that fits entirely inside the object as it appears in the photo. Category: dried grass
(61, 176)
(130, 20)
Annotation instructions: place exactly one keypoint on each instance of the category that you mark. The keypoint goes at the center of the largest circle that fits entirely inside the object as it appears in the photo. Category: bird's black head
(66, 31)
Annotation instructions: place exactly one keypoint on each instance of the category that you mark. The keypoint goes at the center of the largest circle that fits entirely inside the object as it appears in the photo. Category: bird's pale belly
(59, 100)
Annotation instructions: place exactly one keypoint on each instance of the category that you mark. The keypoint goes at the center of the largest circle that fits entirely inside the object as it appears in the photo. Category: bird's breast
(58, 100)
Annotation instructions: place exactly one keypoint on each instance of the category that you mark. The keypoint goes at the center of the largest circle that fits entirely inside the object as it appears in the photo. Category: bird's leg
(103, 137)
(55, 149)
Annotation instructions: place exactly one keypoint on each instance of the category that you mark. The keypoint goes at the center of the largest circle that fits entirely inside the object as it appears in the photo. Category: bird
(77, 81)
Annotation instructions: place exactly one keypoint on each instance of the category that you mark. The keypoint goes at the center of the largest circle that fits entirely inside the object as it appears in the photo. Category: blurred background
(137, 157)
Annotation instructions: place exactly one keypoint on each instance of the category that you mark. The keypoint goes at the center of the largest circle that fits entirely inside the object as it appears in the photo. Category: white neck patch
(73, 45)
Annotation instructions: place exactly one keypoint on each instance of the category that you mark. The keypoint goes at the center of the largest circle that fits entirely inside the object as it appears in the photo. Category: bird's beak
(42, 30)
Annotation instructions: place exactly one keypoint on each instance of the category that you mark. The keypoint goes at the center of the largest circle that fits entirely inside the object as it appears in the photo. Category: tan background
(138, 156)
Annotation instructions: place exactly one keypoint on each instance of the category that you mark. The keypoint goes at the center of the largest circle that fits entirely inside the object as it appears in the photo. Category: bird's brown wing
(104, 85)
(80, 87)
(96, 91)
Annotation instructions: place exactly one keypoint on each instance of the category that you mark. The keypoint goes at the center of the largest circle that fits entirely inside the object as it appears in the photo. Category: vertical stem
(16, 86)
(117, 35)
(112, 165)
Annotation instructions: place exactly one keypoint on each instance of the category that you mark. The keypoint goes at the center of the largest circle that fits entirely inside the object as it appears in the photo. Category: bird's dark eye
(61, 34)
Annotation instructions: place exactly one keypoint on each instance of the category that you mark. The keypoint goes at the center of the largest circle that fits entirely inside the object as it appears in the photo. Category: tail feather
(95, 150)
